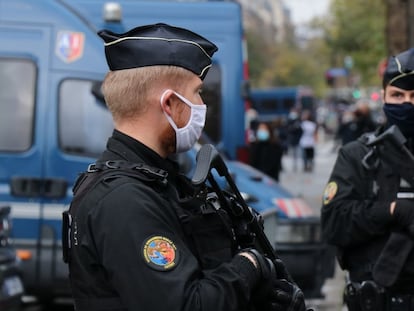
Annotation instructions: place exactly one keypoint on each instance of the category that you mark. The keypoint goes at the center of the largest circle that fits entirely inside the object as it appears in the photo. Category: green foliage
(357, 29)
(286, 63)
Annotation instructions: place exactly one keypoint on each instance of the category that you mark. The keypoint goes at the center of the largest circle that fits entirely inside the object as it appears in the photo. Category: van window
(212, 98)
(268, 105)
(288, 103)
(84, 121)
(17, 101)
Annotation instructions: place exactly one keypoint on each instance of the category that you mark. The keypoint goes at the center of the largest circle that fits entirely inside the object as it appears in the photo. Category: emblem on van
(69, 45)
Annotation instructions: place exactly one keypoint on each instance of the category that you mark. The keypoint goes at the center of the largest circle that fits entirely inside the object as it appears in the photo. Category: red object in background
(382, 65)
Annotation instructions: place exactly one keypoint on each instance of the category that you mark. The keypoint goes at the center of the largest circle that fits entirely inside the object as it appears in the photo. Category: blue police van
(53, 122)
(275, 102)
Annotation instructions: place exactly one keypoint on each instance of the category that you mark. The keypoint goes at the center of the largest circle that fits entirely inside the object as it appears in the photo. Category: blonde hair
(128, 92)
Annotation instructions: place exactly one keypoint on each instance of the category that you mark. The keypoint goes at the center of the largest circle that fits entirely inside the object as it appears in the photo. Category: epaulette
(114, 168)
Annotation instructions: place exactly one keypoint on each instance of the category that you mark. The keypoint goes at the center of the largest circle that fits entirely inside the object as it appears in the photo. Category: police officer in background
(139, 237)
(368, 205)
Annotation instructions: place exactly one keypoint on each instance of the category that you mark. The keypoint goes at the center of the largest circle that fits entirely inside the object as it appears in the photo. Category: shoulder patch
(330, 192)
(160, 253)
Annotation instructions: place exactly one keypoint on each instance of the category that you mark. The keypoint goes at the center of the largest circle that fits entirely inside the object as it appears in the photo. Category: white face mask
(191, 132)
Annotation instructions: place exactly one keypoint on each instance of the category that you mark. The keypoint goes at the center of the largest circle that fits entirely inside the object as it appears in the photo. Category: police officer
(368, 207)
(139, 238)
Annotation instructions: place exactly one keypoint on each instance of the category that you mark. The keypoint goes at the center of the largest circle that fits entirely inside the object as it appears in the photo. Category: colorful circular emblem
(330, 191)
(160, 253)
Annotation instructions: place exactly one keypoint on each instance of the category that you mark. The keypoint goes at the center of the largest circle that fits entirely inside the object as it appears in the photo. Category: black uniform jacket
(355, 212)
(129, 245)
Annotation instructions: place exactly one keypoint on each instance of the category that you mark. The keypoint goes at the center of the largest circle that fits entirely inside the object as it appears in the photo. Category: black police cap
(400, 70)
(158, 44)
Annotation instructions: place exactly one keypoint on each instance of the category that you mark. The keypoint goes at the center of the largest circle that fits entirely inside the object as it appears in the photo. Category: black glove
(284, 296)
(275, 292)
(281, 271)
(403, 215)
(257, 274)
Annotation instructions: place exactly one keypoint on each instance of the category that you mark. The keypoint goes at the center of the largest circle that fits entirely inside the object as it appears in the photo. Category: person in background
(347, 128)
(294, 133)
(368, 208)
(308, 140)
(141, 236)
(363, 118)
(266, 152)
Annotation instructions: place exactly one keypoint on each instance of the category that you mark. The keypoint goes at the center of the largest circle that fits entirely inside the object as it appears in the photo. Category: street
(310, 186)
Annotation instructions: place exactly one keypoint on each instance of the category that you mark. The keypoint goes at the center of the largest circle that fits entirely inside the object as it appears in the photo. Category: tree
(354, 28)
(357, 29)
(287, 63)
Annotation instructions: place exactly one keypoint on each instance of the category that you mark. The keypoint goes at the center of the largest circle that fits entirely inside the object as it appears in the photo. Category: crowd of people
(296, 135)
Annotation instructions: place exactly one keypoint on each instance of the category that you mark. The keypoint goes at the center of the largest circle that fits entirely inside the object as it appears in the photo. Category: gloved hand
(403, 215)
(281, 271)
(274, 292)
(284, 296)
(258, 270)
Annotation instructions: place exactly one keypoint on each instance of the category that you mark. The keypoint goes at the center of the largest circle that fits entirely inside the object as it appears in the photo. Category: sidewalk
(310, 187)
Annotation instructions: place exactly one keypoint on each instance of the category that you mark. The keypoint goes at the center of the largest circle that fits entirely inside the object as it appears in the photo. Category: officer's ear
(166, 100)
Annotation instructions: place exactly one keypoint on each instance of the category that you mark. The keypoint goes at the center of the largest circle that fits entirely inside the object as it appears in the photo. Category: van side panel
(22, 169)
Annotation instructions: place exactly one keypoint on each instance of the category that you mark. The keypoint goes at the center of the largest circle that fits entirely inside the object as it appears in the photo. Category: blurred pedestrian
(347, 128)
(266, 152)
(363, 118)
(308, 140)
(294, 132)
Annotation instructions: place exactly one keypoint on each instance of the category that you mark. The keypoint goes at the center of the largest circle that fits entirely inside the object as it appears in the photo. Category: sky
(303, 11)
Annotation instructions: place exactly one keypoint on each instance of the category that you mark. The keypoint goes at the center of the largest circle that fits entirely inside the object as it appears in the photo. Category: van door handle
(52, 188)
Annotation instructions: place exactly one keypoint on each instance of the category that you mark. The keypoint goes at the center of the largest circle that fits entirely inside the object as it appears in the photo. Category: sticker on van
(69, 45)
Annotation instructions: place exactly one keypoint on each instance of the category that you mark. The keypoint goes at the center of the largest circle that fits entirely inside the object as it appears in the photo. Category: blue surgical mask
(262, 135)
(401, 115)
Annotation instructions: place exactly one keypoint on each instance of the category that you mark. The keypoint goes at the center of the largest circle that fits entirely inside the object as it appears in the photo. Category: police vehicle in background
(275, 102)
(53, 123)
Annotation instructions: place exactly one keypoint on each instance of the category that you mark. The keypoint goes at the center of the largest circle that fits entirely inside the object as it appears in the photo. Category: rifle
(249, 224)
(399, 245)
(396, 154)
